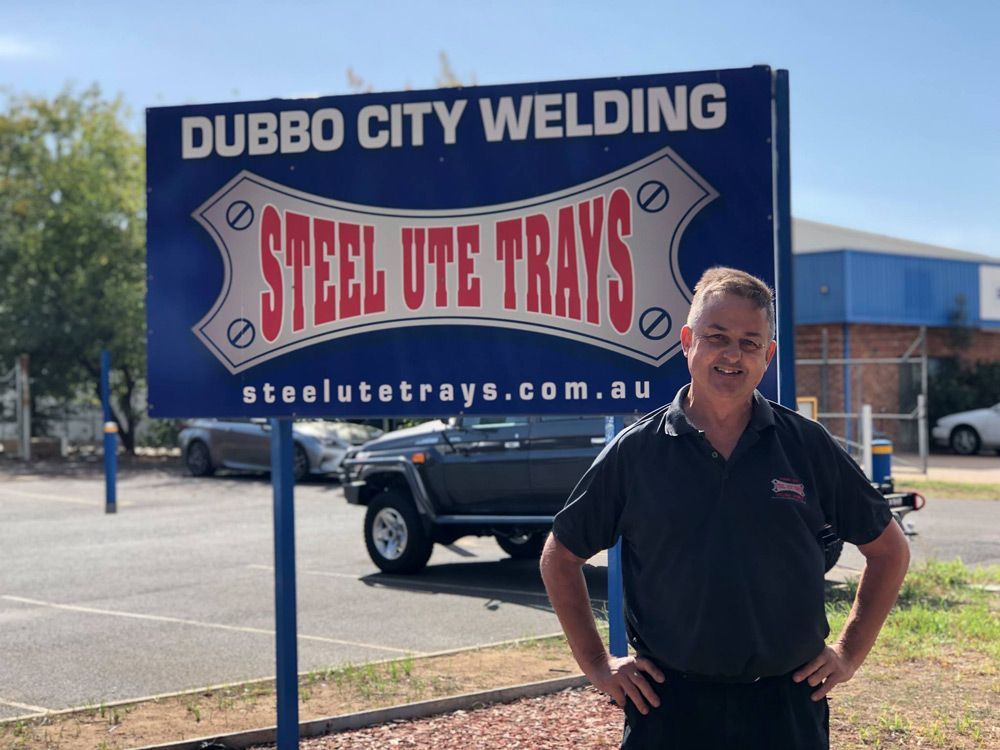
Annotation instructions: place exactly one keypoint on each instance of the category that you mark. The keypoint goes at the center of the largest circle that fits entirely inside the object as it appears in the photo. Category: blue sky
(895, 105)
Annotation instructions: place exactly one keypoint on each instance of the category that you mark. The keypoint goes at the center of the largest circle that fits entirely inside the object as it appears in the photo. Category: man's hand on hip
(623, 677)
(827, 670)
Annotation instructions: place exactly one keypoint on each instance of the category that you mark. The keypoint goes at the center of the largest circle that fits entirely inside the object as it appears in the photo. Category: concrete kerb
(261, 681)
(401, 712)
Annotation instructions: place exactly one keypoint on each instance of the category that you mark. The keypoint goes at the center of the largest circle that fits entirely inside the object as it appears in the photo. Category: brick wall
(889, 388)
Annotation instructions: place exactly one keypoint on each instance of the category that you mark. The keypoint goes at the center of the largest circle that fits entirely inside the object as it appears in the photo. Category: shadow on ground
(501, 582)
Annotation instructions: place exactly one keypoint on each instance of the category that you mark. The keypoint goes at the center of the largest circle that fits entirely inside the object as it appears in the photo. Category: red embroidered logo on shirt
(791, 489)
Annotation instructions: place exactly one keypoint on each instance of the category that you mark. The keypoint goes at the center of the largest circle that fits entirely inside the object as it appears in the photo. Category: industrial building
(875, 318)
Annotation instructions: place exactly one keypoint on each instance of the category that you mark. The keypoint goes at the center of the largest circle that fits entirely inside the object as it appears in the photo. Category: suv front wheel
(394, 535)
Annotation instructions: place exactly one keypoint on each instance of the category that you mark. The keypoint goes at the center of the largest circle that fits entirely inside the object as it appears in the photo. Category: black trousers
(773, 713)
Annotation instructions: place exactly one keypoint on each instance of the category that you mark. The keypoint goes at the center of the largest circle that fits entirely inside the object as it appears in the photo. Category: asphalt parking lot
(175, 591)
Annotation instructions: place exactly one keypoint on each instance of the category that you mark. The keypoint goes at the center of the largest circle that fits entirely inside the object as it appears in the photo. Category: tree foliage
(72, 246)
(962, 387)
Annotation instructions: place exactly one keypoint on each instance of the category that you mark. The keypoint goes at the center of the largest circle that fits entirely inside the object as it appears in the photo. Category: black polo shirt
(722, 570)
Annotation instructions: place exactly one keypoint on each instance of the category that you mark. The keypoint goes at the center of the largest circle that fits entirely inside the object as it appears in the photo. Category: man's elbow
(890, 549)
(904, 552)
(557, 558)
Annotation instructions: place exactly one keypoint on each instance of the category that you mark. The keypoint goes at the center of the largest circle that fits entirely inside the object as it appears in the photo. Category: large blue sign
(489, 250)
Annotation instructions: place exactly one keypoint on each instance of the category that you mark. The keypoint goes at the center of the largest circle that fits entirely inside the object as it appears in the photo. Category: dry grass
(941, 489)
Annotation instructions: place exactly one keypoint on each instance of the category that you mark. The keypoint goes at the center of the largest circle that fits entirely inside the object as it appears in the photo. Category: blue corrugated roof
(854, 286)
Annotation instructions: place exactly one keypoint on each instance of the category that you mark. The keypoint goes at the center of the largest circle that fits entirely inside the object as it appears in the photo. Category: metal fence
(8, 406)
(16, 402)
(911, 373)
(68, 423)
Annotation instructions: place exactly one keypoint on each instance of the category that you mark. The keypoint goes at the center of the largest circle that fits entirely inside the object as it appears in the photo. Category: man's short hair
(723, 280)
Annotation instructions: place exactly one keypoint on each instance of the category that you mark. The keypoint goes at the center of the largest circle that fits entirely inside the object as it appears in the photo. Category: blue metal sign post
(110, 437)
(783, 242)
(617, 638)
(287, 686)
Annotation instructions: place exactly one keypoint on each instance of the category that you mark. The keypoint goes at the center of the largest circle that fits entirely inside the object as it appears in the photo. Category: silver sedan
(245, 445)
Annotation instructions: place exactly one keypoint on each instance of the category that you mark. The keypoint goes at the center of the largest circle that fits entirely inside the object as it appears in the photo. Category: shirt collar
(675, 421)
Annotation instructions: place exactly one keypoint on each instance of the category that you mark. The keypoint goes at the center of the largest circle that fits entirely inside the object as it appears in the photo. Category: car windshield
(352, 433)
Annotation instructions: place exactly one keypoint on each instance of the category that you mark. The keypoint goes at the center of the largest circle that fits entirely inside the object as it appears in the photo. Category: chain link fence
(892, 383)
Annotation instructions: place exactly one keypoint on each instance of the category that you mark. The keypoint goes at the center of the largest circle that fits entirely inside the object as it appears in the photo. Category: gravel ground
(575, 718)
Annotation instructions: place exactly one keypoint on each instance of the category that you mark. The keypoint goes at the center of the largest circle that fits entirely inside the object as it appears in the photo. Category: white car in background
(968, 432)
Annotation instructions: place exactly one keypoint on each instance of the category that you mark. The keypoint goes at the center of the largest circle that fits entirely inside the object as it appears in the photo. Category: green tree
(72, 246)
(958, 386)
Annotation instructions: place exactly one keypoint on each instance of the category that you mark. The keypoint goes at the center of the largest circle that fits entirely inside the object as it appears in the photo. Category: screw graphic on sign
(655, 323)
(241, 333)
(653, 196)
(239, 215)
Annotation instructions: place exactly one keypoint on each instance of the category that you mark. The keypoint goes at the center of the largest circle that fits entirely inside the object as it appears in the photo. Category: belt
(715, 679)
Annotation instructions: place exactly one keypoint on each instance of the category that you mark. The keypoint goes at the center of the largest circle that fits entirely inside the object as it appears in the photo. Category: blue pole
(284, 584)
(783, 222)
(848, 403)
(617, 640)
(110, 437)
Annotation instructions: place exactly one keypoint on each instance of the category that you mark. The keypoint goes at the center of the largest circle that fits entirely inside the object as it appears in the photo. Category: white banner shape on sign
(589, 263)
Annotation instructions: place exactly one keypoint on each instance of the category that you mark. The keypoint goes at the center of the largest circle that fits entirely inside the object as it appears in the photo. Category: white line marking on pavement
(93, 503)
(25, 706)
(401, 582)
(270, 568)
(196, 623)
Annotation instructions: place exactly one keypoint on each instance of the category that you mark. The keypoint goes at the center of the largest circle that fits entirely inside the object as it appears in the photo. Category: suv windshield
(483, 423)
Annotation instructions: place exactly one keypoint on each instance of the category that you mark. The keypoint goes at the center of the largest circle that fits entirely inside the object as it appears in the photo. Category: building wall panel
(849, 286)
(898, 290)
(820, 293)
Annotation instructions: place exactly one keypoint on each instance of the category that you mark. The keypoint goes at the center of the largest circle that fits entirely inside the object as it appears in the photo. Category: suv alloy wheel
(394, 534)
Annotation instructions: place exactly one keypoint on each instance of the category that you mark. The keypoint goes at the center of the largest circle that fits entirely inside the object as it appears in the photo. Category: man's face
(729, 348)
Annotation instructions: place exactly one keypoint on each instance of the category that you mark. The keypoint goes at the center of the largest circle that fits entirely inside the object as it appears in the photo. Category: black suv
(486, 476)
(505, 477)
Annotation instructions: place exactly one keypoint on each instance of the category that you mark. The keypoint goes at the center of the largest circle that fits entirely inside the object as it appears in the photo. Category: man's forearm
(567, 590)
(887, 557)
(877, 591)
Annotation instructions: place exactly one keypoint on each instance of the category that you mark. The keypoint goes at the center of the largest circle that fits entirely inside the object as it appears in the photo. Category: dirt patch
(569, 719)
(947, 701)
(321, 694)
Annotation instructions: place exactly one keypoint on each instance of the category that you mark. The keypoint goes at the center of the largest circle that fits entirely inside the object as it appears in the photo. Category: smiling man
(719, 499)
